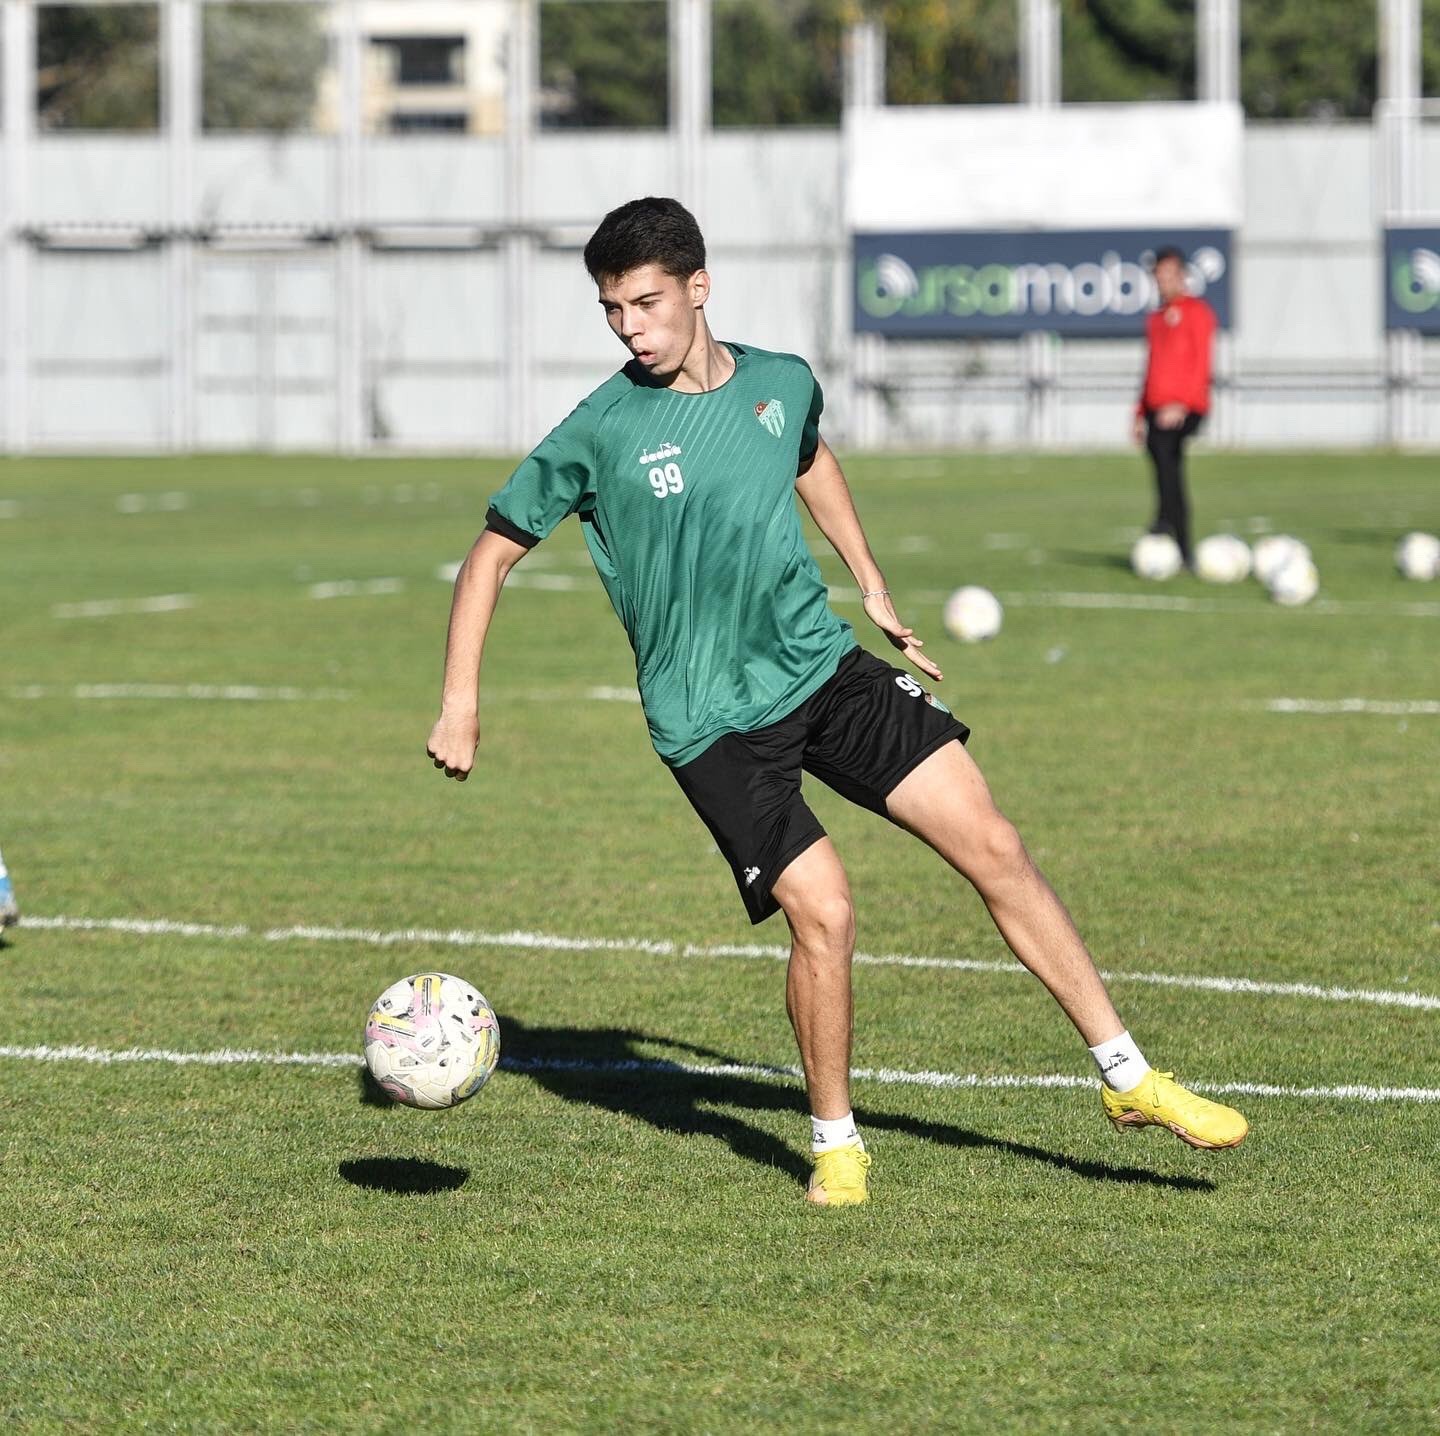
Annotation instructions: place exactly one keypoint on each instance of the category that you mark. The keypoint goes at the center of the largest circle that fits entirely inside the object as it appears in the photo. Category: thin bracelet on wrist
(874, 593)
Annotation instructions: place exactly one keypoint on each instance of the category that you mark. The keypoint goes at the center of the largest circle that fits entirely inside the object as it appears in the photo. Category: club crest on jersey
(771, 413)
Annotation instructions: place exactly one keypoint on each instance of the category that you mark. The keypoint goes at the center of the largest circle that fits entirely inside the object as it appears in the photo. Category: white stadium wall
(479, 345)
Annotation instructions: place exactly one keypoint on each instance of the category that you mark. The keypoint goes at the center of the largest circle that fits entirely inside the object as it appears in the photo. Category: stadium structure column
(521, 81)
(864, 81)
(1398, 115)
(1039, 52)
(1217, 50)
(1217, 81)
(1040, 89)
(180, 102)
(19, 116)
(351, 412)
(690, 95)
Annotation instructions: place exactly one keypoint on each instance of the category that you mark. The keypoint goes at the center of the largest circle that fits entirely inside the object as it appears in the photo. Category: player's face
(1170, 279)
(654, 315)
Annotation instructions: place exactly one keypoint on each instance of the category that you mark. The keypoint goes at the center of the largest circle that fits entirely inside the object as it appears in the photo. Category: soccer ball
(1156, 556)
(1273, 552)
(1222, 558)
(1296, 583)
(1417, 556)
(973, 614)
(431, 1040)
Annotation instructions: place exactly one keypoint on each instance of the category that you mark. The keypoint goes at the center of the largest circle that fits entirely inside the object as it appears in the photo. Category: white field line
(549, 942)
(356, 587)
(211, 692)
(607, 694)
(1398, 708)
(109, 607)
(170, 503)
(1179, 603)
(639, 1066)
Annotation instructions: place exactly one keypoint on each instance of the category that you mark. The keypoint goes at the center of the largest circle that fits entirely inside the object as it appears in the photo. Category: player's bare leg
(946, 802)
(814, 894)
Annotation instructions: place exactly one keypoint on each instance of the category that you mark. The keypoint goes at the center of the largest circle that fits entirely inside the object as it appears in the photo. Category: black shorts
(861, 732)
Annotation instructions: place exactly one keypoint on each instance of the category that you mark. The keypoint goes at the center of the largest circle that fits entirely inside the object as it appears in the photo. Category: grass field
(612, 1236)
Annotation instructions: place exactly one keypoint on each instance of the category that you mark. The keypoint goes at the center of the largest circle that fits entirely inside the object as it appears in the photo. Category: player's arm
(821, 484)
(456, 733)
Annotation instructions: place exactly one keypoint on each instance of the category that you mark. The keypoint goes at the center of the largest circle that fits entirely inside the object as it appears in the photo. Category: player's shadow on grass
(403, 1176)
(609, 1068)
(1085, 558)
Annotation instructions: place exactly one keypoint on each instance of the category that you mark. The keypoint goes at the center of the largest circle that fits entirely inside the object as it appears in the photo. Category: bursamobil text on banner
(976, 220)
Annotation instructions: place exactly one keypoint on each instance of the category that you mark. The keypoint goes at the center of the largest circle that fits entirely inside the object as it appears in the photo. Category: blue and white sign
(997, 283)
(1412, 279)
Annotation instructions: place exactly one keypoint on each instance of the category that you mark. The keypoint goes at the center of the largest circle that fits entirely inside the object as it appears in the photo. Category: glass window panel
(604, 64)
(777, 62)
(98, 67)
(1127, 50)
(1308, 59)
(951, 52)
(262, 66)
(1430, 48)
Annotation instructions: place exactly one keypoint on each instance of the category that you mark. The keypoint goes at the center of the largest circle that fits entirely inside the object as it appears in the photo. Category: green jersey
(688, 508)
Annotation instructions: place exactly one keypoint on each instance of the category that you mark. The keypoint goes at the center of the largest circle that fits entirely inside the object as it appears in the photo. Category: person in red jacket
(1176, 394)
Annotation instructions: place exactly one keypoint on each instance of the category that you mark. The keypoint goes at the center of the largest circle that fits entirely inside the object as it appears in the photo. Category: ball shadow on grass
(403, 1176)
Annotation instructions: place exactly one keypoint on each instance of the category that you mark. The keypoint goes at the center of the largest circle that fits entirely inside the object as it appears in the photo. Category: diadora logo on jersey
(771, 413)
(750, 875)
(666, 450)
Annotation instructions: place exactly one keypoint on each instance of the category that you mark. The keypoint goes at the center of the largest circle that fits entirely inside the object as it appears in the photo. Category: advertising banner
(1412, 279)
(1093, 282)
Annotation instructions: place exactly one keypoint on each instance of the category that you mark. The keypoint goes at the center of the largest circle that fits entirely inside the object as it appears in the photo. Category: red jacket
(1178, 371)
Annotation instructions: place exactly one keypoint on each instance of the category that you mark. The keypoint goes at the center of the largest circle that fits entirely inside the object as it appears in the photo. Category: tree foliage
(778, 62)
(1127, 49)
(950, 52)
(604, 64)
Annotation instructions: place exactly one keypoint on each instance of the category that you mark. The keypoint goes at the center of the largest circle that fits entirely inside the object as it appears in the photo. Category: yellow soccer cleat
(1160, 1101)
(839, 1178)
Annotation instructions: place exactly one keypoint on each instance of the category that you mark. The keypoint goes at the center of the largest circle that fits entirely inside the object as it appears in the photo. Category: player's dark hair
(646, 231)
(1168, 251)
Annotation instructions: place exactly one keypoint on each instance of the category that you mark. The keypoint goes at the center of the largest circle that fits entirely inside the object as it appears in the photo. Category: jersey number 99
(668, 480)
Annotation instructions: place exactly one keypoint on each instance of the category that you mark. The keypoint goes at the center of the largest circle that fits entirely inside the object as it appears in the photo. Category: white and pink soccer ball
(431, 1040)
(1156, 557)
(973, 614)
(1222, 558)
(1417, 556)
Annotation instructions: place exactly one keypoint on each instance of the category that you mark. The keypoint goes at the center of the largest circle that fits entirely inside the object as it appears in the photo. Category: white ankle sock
(1121, 1063)
(839, 1132)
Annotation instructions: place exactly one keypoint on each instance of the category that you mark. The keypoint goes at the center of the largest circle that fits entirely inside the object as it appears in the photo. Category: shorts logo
(771, 413)
(750, 875)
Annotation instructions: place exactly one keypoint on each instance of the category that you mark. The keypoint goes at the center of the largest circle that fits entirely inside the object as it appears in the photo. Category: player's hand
(881, 612)
(1137, 429)
(452, 744)
(1171, 416)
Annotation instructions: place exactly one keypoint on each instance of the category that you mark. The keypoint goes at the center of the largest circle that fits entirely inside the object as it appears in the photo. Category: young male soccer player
(1175, 395)
(683, 469)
